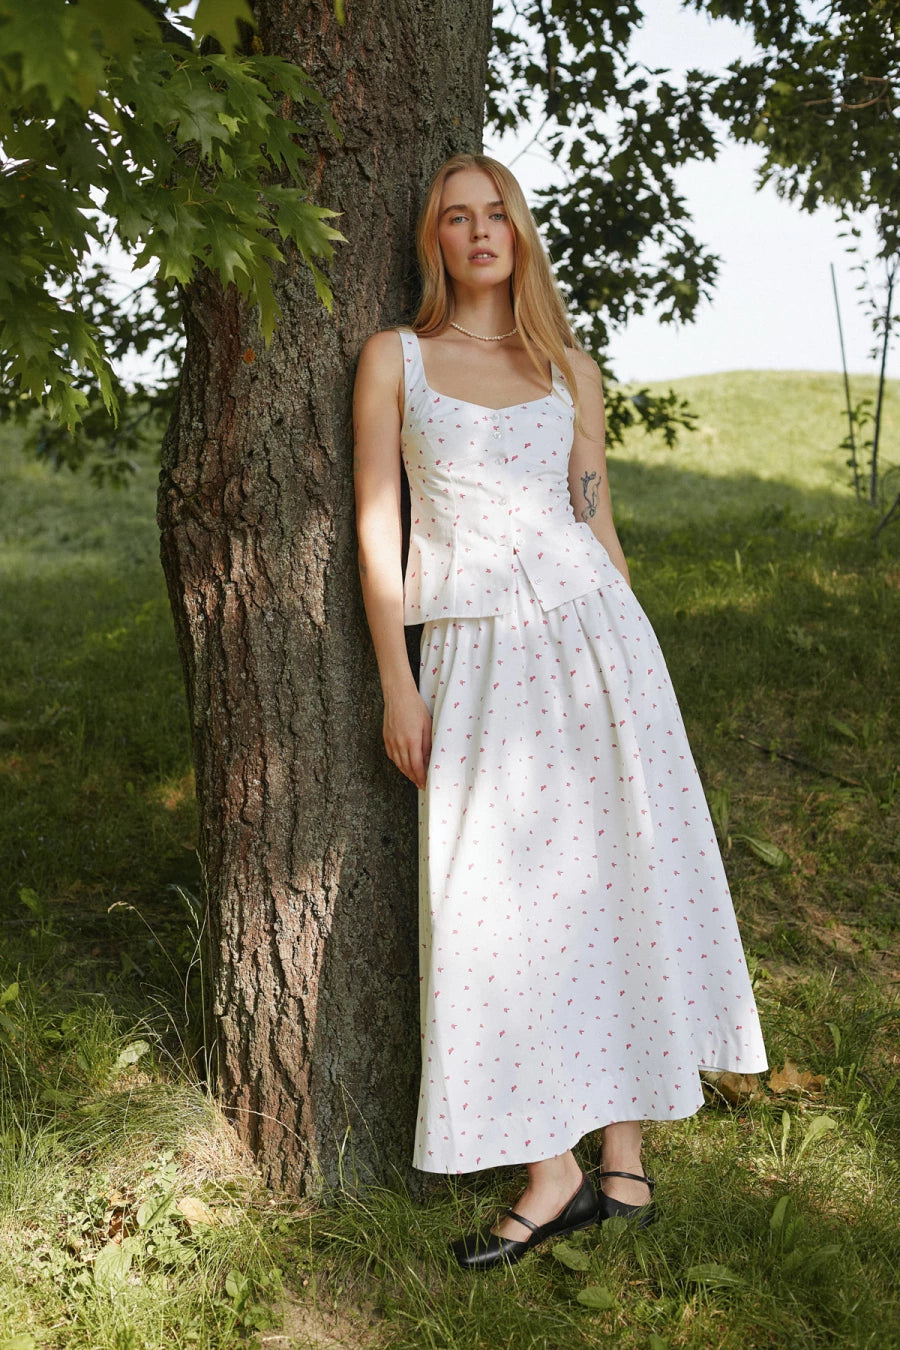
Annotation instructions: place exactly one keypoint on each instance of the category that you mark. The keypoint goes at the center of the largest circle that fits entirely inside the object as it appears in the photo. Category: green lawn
(130, 1219)
(762, 438)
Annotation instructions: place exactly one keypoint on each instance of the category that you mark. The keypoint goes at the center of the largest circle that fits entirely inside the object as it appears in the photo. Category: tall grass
(129, 1216)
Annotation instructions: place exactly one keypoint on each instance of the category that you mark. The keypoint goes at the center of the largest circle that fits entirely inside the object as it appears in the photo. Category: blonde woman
(580, 959)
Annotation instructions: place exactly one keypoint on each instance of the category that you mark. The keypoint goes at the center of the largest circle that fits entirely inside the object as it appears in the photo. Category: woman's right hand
(407, 734)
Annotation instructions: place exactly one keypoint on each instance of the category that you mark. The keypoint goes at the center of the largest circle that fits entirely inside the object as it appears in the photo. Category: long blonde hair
(537, 306)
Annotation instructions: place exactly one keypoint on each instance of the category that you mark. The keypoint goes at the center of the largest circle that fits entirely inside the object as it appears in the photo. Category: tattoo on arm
(363, 570)
(590, 488)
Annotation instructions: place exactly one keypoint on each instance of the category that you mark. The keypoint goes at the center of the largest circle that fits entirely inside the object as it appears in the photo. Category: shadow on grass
(776, 620)
(96, 788)
(758, 1243)
(775, 617)
(669, 494)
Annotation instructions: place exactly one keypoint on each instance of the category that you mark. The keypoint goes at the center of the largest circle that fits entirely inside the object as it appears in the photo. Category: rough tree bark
(307, 833)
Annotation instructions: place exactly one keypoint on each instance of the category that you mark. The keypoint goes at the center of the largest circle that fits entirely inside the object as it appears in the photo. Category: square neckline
(484, 407)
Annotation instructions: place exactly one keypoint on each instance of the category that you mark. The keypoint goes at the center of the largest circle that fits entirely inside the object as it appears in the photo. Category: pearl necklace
(499, 338)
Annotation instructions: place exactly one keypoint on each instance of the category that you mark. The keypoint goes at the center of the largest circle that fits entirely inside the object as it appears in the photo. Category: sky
(773, 308)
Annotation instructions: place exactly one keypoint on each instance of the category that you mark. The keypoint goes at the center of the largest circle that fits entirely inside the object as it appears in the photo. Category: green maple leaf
(37, 39)
(220, 19)
(229, 251)
(198, 109)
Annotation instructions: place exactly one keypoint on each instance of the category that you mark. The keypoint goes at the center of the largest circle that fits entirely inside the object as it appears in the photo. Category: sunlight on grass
(763, 439)
(175, 794)
(131, 1219)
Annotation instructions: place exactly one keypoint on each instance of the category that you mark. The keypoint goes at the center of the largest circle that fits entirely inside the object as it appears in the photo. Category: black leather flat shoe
(610, 1208)
(481, 1251)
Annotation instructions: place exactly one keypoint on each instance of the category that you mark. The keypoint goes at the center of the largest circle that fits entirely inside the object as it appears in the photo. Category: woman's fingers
(424, 755)
(416, 770)
(409, 760)
(410, 747)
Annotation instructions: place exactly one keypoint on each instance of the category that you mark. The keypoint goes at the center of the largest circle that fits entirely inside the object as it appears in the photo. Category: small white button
(496, 433)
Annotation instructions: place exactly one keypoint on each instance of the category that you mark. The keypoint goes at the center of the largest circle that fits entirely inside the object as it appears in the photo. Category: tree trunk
(307, 831)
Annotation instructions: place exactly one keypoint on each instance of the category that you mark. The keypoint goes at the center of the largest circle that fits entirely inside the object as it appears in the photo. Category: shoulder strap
(413, 367)
(560, 385)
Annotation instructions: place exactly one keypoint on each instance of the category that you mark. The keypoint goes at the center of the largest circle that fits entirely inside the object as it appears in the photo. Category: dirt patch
(312, 1325)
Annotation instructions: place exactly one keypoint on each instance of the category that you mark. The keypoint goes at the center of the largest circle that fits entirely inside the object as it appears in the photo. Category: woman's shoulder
(385, 343)
(585, 371)
(583, 365)
(382, 354)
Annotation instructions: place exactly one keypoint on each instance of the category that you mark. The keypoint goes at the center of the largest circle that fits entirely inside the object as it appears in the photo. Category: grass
(129, 1216)
(762, 437)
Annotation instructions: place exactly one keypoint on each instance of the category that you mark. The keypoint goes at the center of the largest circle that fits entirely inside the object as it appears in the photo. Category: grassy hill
(763, 438)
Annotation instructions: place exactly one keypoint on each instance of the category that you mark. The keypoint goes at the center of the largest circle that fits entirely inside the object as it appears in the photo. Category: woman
(580, 959)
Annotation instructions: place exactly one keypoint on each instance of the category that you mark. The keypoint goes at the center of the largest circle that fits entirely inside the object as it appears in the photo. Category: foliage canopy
(820, 99)
(180, 139)
(120, 119)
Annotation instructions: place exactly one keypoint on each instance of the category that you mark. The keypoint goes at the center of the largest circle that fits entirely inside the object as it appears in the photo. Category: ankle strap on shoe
(629, 1176)
(520, 1218)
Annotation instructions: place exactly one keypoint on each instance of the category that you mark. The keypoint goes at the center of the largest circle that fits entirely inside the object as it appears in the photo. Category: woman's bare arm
(377, 402)
(588, 480)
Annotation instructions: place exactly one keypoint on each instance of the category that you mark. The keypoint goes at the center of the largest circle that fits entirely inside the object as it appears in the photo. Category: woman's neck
(484, 312)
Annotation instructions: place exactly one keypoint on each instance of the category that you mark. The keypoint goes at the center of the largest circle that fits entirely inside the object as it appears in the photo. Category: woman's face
(474, 232)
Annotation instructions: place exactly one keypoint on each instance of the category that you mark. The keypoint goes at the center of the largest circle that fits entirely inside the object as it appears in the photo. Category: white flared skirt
(579, 955)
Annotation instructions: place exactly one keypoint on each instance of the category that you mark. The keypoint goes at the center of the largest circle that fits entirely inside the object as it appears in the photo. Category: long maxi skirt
(579, 955)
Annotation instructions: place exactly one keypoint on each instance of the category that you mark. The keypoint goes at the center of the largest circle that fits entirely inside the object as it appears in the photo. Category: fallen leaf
(195, 1211)
(793, 1079)
(736, 1088)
